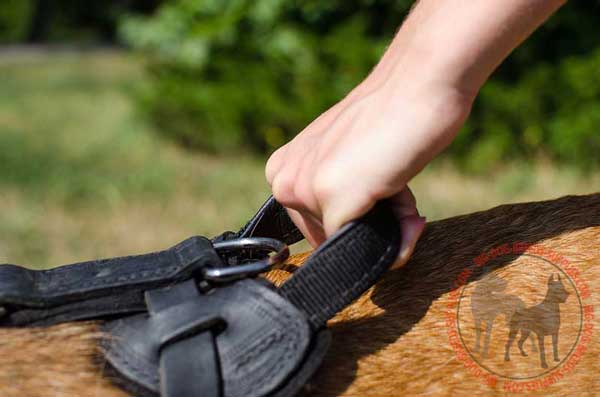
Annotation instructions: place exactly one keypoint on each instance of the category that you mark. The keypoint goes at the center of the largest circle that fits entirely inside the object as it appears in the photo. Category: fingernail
(411, 231)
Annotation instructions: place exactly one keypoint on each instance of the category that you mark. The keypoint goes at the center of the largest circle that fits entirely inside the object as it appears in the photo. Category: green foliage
(14, 19)
(252, 73)
(233, 73)
(65, 21)
(552, 109)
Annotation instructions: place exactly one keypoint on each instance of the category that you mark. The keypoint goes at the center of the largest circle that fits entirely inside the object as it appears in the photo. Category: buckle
(224, 274)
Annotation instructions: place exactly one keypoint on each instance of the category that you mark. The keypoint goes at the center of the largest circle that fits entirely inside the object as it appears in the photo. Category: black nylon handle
(345, 266)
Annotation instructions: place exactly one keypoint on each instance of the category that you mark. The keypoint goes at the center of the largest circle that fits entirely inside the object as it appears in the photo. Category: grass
(82, 175)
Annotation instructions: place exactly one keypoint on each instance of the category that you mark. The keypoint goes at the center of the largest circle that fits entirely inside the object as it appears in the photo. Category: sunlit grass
(82, 175)
(68, 132)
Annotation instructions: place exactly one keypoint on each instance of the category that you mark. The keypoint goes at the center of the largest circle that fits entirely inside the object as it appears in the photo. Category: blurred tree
(252, 73)
(544, 100)
(14, 18)
(38, 21)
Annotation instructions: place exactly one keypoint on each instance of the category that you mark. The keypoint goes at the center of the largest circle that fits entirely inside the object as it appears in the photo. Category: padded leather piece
(311, 363)
(265, 340)
(22, 288)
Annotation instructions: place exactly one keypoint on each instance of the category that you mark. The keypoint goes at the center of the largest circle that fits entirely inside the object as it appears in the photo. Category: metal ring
(230, 273)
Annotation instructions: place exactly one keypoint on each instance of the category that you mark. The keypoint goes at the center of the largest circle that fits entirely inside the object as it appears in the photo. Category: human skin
(368, 146)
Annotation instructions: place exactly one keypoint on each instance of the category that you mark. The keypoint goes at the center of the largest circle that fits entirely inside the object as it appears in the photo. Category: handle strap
(96, 288)
(345, 266)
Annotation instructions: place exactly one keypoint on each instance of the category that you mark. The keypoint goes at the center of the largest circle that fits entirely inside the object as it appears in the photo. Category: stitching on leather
(277, 317)
(184, 245)
(259, 349)
(290, 348)
(115, 346)
(121, 277)
(61, 286)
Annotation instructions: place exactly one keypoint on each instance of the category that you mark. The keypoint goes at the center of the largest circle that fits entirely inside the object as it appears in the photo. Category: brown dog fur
(394, 339)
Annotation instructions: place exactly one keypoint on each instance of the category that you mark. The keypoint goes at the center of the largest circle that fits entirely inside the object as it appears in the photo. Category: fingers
(310, 227)
(318, 210)
(404, 203)
(340, 209)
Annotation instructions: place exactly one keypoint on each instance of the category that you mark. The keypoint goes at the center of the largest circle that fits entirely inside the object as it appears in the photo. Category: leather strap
(114, 287)
(96, 288)
(188, 363)
(190, 367)
(119, 304)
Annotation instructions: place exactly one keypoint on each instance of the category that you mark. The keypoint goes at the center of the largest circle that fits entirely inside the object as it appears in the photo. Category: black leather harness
(193, 320)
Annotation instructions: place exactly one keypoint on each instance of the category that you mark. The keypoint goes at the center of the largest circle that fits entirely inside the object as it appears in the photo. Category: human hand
(365, 149)
(368, 146)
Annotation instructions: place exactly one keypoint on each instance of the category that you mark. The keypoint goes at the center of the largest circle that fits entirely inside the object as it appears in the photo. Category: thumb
(411, 228)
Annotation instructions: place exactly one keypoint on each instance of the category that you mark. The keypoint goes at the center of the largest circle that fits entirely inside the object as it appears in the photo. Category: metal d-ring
(230, 273)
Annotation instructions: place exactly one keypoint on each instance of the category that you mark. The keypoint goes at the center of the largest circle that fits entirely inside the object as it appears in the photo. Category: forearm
(441, 56)
(458, 43)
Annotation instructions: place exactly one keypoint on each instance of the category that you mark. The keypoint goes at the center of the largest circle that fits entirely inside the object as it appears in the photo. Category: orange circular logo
(523, 324)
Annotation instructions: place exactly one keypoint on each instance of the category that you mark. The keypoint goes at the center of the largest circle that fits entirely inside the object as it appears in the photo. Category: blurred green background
(126, 125)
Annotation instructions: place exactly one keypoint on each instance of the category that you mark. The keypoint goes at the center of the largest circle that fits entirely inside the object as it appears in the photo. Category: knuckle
(302, 191)
(283, 188)
(325, 186)
(274, 164)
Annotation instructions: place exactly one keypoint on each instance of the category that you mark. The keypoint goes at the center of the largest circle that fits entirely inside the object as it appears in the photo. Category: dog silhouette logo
(488, 302)
(506, 319)
(542, 319)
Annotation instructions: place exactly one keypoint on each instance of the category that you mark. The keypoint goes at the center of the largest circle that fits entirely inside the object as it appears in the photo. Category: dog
(400, 337)
(542, 319)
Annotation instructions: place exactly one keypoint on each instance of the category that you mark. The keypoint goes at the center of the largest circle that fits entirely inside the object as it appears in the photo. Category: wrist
(421, 76)
(447, 102)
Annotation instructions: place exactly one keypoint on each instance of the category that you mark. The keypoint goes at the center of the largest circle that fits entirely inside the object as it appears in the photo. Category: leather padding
(264, 342)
